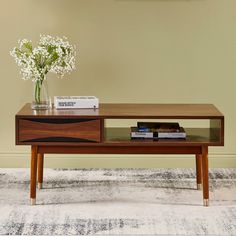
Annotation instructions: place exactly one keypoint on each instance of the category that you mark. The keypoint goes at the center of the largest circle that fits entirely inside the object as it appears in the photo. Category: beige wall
(161, 51)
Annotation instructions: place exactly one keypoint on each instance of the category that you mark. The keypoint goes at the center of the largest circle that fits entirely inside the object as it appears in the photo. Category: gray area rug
(118, 202)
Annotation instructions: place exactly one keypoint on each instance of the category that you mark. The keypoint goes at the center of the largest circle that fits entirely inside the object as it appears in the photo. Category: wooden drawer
(58, 130)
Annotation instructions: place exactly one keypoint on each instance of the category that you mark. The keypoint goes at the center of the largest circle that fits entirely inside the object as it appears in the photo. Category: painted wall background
(157, 51)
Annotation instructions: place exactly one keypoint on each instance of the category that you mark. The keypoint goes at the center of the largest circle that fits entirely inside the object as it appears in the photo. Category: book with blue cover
(159, 126)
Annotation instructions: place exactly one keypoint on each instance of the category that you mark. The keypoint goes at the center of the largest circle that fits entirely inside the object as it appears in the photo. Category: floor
(118, 202)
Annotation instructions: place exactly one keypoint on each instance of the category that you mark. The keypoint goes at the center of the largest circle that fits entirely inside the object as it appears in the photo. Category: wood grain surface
(127, 111)
(30, 130)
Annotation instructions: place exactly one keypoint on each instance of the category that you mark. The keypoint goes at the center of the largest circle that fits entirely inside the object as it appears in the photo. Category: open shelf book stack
(157, 130)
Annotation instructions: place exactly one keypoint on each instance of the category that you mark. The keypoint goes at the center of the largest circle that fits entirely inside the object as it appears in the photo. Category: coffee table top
(129, 111)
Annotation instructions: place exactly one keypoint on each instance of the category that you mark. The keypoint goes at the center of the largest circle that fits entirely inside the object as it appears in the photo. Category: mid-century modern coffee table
(84, 131)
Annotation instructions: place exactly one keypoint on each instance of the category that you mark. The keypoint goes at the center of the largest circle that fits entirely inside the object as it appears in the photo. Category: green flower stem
(38, 91)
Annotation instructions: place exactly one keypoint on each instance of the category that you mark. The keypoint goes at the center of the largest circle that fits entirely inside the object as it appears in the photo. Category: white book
(74, 102)
(141, 135)
(172, 135)
(137, 134)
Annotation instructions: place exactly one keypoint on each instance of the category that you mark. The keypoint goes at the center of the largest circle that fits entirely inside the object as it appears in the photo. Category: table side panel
(217, 129)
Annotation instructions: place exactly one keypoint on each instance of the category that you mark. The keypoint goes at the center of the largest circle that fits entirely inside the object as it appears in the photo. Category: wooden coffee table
(84, 131)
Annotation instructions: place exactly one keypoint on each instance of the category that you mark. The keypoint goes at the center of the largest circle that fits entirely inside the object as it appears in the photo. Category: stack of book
(157, 130)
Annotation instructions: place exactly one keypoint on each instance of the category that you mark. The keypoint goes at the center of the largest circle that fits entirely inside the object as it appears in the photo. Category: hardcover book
(135, 133)
(70, 102)
(159, 126)
(181, 134)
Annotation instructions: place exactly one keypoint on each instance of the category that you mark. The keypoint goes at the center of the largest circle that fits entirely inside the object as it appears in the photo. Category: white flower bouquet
(52, 54)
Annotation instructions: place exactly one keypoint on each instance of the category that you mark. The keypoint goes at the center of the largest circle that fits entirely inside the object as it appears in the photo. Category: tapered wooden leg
(199, 170)
(205, 176)
(40, 170)
(33, 174)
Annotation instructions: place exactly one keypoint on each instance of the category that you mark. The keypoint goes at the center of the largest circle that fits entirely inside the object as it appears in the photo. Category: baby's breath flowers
(52, 54)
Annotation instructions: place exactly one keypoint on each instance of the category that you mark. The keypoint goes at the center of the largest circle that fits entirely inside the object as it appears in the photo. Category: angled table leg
(33, 174)
(205, 175)
(40, 170)
(199, 170)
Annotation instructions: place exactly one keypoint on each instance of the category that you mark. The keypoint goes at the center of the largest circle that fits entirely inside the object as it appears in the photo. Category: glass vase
(41, 99)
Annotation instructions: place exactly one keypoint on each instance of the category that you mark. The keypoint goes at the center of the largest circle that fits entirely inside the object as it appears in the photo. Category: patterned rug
(117, 202)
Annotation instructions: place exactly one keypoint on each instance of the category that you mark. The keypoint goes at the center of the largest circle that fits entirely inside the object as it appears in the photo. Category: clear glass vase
(41, 98)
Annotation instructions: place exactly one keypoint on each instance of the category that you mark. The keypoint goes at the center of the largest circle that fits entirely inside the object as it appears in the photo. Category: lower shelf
(200, 136)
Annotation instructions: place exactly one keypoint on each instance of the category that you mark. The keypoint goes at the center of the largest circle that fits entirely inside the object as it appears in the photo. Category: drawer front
(59, 130)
